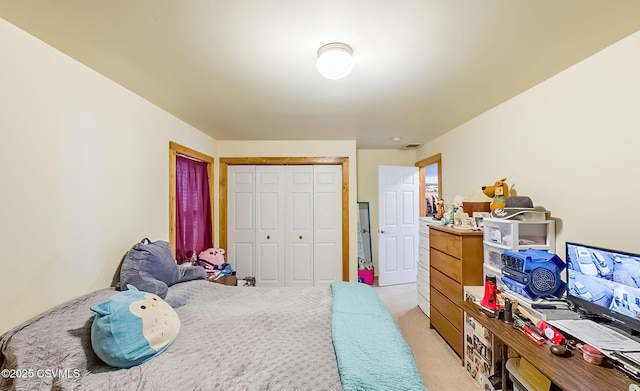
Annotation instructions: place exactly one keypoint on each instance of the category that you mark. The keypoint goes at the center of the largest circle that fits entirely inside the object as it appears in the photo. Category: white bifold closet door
(284, 224)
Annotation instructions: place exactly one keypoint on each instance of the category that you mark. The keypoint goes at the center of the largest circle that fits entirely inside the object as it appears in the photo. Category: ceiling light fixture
(335, 60)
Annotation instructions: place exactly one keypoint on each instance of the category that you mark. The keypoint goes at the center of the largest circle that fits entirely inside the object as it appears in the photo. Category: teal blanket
(371, 352)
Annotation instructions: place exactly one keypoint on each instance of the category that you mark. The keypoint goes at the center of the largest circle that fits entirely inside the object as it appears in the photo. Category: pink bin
(365, 276)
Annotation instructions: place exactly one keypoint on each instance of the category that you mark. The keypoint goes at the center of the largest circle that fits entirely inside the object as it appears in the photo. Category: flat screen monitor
(605, 283)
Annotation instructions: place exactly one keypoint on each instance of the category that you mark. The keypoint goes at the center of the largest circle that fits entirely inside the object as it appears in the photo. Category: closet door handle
(382, 231)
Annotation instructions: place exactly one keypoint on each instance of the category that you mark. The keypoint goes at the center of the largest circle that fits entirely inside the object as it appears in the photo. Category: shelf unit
(514, 235)
(482, 350)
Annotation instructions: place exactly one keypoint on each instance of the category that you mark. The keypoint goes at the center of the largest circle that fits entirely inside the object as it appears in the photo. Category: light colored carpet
(440, 367)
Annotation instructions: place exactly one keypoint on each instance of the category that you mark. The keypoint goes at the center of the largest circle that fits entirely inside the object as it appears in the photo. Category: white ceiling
(245, 69)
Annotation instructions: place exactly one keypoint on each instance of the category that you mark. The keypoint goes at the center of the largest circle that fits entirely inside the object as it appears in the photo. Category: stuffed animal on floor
(132, 327)
(365, 264)
(499, 192)
(211, 259)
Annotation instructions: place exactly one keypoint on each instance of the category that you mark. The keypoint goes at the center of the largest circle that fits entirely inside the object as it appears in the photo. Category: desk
(568, 373)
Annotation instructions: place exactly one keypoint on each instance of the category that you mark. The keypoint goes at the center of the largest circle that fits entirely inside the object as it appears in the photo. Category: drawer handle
(300, 237)
(268, 237)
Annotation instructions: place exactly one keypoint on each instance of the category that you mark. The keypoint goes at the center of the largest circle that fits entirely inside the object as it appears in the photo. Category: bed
(231, 338)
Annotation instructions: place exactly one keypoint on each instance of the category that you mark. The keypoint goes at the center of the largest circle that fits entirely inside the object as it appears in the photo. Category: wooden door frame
(174, 150)
(284, 161)
(437, 158)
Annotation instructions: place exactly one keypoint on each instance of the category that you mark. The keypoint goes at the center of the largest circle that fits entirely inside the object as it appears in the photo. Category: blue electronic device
(533, 273)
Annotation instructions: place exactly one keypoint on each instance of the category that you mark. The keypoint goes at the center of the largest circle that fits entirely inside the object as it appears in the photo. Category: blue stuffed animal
(132, 327)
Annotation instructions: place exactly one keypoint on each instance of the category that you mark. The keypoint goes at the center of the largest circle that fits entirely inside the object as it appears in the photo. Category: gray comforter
(232, 338)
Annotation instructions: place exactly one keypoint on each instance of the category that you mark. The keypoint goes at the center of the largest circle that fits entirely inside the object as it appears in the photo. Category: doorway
(430, 174)
(398, 196)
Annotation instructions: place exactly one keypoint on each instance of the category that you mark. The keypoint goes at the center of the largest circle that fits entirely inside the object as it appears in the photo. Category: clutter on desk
(558, 350)
(495, 304)
(464, 213)
(591, 354)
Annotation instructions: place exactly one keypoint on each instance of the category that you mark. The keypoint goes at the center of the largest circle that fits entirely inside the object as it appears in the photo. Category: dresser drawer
(423, 285)
(424, 271)
(424, 227)
(449, 310)
(423, 253)
(451, 289)
(446, 242)
(447, 264)
(423, 240)
(446, 329)
(424, 304)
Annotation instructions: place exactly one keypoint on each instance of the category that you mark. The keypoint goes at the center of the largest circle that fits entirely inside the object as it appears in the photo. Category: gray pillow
(150, 267)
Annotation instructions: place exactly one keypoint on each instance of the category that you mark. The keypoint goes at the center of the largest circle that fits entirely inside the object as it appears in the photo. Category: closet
(284, 223)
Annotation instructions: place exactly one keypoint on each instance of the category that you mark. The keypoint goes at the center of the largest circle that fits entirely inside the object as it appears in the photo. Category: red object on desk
(532, 335)
(490, 292)
(551, 333)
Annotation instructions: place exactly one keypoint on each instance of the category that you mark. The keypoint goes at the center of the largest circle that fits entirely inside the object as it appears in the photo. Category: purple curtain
(193, 210)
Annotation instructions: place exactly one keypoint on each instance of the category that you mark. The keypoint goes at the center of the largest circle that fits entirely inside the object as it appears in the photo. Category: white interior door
(398, 233)
(241, 234)
(327, 221)
(298, 205)
(270, 225)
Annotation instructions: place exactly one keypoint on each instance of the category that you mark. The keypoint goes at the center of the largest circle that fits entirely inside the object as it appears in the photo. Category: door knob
(300, 237)
(268, 237)
(382, 231)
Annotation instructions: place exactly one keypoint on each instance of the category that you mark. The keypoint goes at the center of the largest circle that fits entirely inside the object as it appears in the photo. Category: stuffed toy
(150, 267)
(132, 327)
(499, 192)
(365, 264)
(439, 209)
(211, 258)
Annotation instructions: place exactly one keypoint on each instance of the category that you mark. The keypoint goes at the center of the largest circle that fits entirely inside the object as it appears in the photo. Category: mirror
(364, 232)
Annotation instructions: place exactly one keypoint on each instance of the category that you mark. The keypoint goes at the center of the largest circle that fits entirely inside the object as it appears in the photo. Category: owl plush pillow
(132, 327)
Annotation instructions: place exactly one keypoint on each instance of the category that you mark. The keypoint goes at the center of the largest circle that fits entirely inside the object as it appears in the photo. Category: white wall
(84, 175)
(571, 143)
(368, 162)
(307, 149)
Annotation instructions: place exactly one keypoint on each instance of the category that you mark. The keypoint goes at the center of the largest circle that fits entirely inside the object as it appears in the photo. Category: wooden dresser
(456, 261)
